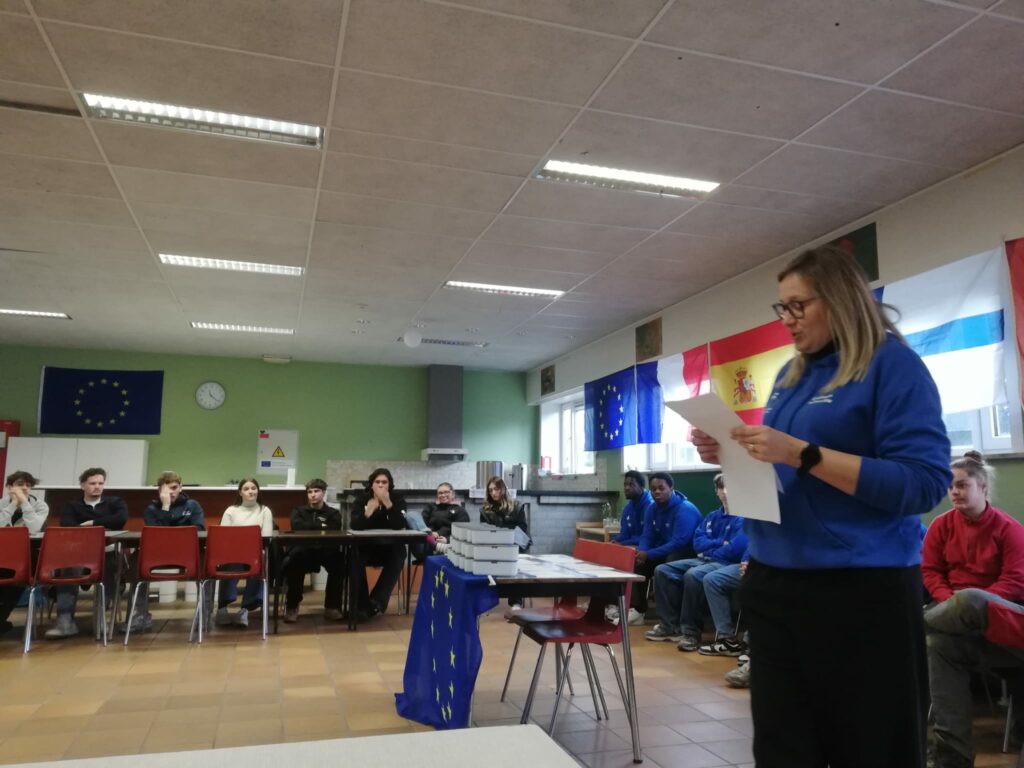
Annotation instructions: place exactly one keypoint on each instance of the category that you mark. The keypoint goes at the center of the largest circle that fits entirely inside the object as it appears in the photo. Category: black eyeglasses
(794, 309)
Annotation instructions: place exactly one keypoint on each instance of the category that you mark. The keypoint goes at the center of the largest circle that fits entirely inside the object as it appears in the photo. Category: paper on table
(751, 484)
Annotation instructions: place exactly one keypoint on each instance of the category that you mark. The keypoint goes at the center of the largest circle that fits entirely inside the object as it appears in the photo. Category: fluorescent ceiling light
(35, 313)
(617, 178)
(241, 328)
(508, 290)
(449, 342)
(230, 266)
(203, 120)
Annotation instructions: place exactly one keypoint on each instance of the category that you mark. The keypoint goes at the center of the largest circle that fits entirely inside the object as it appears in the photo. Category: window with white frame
(562, 436)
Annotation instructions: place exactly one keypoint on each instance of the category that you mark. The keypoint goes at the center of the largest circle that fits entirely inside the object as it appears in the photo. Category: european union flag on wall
(444, 648)
(610, 411)
(80, 401)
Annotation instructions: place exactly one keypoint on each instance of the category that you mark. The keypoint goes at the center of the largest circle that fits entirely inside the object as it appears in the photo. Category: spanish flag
(744, 367)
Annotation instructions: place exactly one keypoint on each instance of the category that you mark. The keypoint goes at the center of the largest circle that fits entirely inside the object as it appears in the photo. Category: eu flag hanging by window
(610, 411)
(80, 401)
(444, 648)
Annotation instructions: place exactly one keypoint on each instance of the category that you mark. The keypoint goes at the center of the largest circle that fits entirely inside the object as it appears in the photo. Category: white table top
(509, 746)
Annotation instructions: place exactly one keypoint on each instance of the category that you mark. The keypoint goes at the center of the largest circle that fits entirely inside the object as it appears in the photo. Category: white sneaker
(633, 618)
(222, 618)
(242, 619)
(611, 612)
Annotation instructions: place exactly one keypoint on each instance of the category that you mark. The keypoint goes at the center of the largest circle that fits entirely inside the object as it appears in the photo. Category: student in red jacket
(973, 556)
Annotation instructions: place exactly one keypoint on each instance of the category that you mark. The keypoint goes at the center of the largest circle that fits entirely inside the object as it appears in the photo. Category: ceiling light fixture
(507, 290)
(254, 267)
(241, 328)
(617, 178)
(35, 313)
(448, 342)
(202, 120)
(277, 359)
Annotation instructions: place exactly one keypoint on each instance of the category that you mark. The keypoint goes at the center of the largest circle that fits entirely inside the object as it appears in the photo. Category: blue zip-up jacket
(183, 511)
(669, 528)
(712, 533)
(892, 419)
(631, 525)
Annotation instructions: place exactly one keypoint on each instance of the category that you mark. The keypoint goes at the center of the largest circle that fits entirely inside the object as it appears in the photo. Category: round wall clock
(210, 395)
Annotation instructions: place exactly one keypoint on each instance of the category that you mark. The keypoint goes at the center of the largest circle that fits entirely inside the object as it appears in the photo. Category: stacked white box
(484, 549)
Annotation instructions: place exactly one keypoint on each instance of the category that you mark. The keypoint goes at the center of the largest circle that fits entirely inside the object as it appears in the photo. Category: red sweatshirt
(988, 554)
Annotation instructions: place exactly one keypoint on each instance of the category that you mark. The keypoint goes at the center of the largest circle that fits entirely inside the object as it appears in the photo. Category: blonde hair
(857, 322)
(974, 464)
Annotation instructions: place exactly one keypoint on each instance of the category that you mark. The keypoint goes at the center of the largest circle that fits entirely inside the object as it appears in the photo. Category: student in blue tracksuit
(631, 525)
(832, 595)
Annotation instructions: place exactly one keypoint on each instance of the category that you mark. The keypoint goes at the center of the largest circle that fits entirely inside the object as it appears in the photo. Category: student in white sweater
(247, 510)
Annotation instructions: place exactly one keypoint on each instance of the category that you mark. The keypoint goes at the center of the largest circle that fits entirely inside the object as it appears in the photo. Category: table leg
(115, 602)
(353, 587)
(627, 660)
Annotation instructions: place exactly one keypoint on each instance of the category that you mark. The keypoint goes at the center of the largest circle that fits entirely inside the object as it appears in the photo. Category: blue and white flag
(954, 318)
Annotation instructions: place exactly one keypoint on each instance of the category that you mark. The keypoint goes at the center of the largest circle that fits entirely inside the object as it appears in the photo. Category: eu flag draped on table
(78, 401)
(444, 648)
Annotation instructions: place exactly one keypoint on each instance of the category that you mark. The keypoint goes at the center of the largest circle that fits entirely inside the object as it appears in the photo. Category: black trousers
(390, 558)
(307, 560)
(839, 672)
(9, 597)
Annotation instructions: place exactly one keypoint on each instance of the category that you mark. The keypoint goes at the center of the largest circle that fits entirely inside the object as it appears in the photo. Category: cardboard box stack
(484, 549)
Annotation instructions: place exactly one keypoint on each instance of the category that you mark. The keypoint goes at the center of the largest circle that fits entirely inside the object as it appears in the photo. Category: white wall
(968, 214)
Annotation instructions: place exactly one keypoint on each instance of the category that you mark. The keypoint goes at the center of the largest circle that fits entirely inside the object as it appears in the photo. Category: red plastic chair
(167, 553)
(16, 569)
(590, 629)
(235, 552)
(80, 548)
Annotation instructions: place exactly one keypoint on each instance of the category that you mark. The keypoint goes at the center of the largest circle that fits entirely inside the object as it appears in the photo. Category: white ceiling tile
(516, 230)
(610, 16)
(535, 257)
(942, 72)
(618, 141)
(70, 238)
(271, 232)
(689, 277)
(830, 210)
(490, 53)
(815, 171)
(215, 194)
(712, 93)
(1013, 8)
(339, 245)
(737, 223)
(178, 73)
(48, 206)
(826, 37)
(37, 133)
(429, 112)
(300, 29)
(393, 214)
(208, 155)
(431, 153)
(24, 57)
(417, 183)
(690, 249)
(594, 205)
(37, 95)
(910, 128)
(13, 6)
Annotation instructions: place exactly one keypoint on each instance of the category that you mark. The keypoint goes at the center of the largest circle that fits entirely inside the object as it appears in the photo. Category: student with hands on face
(379, 507)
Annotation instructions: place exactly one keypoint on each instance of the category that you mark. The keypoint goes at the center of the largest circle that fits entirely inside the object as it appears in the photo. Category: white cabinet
(60, 460)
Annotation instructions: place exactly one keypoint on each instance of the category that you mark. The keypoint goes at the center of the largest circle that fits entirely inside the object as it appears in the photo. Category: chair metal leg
(533, 685)
(30, 618)
(511, 663)
(618, 679)
(590, 681)
(561, 684)
(197, 617)
(559, 662)
(101, 605)
(131, 612)
(266, 606)
(1009, 720)
(589, 657)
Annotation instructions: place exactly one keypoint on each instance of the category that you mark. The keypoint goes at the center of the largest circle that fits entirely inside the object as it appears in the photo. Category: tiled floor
(316, 680)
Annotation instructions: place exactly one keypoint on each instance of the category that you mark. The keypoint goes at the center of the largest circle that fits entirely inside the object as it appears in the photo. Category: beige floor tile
(249, 732)
(369, 720)
(183, 716)
(250, 712)
(121, 720)
(101, 743)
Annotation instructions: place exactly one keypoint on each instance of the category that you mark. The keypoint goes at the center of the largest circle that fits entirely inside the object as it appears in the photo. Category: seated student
(973, 555)
(94, 509)
(500, 509)
(379, 506)
(720, 586)
(669, 525)
(638, 499)
(678, 585)
(304, 558)
(437, 518)
(172, 507)
(247, 510)
(19, 508)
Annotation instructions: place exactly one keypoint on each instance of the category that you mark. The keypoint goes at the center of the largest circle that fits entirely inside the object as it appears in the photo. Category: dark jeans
(390, 558)
(312, 560)
(638, 597)
(839, 675)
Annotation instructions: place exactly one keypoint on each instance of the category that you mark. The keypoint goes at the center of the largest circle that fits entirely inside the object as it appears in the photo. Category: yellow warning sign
(278, 453)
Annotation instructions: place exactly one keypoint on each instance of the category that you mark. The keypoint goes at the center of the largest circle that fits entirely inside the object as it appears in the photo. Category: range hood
(444, 414)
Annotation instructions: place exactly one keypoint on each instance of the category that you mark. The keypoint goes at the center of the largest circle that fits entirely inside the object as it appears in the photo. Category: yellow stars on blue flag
(451, 617)
(610, 414)
(101, 398)
(452, 654)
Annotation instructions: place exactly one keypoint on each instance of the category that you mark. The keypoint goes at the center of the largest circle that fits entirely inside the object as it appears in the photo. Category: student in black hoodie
(379, 507)
(93, 509)
(304, 558)
(438, 518)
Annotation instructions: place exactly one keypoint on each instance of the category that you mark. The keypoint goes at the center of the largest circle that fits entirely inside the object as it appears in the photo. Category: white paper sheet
(751, 484)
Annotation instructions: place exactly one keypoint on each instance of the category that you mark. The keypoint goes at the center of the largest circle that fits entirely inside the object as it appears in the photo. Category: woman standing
(832, 595)
(247, 510)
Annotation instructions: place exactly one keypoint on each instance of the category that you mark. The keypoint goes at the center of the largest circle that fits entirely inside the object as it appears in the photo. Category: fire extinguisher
(8, 429)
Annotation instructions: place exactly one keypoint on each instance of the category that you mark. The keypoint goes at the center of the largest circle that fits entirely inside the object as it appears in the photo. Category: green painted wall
(341, 411)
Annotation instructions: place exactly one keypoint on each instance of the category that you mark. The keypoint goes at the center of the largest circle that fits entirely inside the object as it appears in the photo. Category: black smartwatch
(810, 457)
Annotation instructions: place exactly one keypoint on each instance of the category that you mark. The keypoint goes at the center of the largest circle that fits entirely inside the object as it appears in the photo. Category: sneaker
(141, 623)
(726, 646)
(291, 615)
(65, 627)
(223, 617)
(331, 614)
(739, 677)
(688, 643)
(611, 612)
(662, 632)
(634, 618)
(241, 619)
(742, 659)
